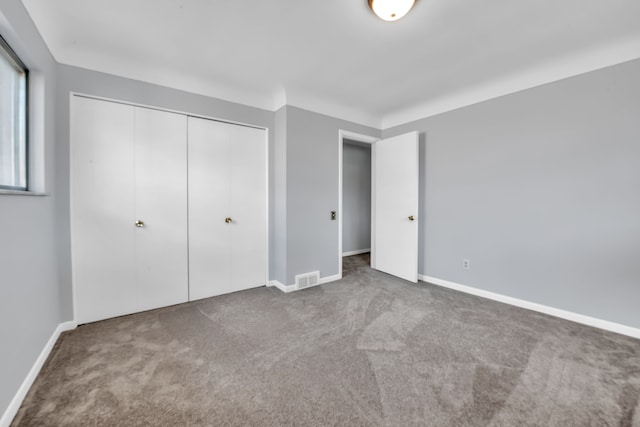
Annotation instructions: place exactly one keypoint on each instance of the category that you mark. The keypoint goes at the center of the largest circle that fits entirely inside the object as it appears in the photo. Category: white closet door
(227, 180)
(248, 205)
(209, 206)
(161, 204)
(102, 194)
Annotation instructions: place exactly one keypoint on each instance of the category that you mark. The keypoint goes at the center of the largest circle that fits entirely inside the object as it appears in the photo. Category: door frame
(73, 94)
(367, 139)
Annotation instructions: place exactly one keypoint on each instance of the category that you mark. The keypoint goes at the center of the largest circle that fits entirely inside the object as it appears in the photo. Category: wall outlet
(465, 264)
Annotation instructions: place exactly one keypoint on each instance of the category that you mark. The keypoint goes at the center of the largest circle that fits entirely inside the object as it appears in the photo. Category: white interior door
(161, 204)
(102, 195)
(395, 206)
(248, 207)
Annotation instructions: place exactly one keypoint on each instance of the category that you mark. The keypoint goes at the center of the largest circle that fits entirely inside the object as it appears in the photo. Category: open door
(395, 206)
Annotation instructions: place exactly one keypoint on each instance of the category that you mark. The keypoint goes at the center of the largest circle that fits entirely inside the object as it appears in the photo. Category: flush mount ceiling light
(391, 10)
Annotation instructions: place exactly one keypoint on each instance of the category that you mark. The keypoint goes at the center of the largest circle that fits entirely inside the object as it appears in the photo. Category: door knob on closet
(227, 220)
(411, 218)
(139, 224)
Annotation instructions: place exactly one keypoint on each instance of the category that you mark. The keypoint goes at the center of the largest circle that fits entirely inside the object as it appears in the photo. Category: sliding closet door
(248, 201)
(161, 205)
(102, 212)
(227, 208)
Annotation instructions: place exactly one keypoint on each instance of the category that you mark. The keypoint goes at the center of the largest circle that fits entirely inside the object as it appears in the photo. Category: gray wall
(539, 190)
(72, 79)
(312, 190)
(279, 237)
(356, 197)
(29, 295)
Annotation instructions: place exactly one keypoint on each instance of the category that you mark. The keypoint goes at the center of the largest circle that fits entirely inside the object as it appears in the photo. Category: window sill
(22, 193)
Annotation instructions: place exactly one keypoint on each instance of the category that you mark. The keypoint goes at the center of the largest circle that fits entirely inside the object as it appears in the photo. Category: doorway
(354, 210)
(393, 204)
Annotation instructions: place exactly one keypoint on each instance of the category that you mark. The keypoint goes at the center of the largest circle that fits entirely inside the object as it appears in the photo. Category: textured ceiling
(335, 56)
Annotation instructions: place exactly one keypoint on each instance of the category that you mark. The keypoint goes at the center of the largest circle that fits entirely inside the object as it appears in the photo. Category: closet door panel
(209, 206)
(161, 204)
(102, 208)
(248, 203)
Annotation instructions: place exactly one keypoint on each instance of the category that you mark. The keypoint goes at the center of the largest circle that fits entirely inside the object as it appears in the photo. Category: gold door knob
(411, 218)
(139, 224)
(227, 220)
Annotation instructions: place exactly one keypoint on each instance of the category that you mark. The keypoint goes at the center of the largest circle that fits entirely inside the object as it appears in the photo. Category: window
(13, 120)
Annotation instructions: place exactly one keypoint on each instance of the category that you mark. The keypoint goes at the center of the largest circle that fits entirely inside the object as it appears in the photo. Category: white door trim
(169, 110)
(342, 135)
(72, 144)
(267, 201)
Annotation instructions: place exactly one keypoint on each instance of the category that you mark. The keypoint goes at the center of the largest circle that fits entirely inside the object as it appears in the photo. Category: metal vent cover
(307, 280)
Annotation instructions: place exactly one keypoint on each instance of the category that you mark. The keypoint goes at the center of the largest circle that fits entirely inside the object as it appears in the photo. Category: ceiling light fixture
(391, 10)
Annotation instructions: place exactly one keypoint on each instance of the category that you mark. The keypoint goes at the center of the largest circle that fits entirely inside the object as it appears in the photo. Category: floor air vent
(307, 280)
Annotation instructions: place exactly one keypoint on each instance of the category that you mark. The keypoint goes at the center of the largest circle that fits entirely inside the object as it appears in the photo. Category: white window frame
(9, 54)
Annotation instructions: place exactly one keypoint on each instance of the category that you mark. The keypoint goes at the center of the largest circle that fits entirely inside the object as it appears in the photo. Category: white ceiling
(336, 57)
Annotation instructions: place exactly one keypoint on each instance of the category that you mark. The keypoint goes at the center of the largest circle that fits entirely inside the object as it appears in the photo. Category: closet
(146, 199)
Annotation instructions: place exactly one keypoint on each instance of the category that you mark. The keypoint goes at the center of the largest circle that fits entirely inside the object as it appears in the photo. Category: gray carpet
(369, 350)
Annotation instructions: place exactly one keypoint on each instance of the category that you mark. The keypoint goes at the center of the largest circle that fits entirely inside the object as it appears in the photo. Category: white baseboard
(563, 314)
(14, 406)
(283, 288)
(358, 252)
(291, 288)
(329, 279)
